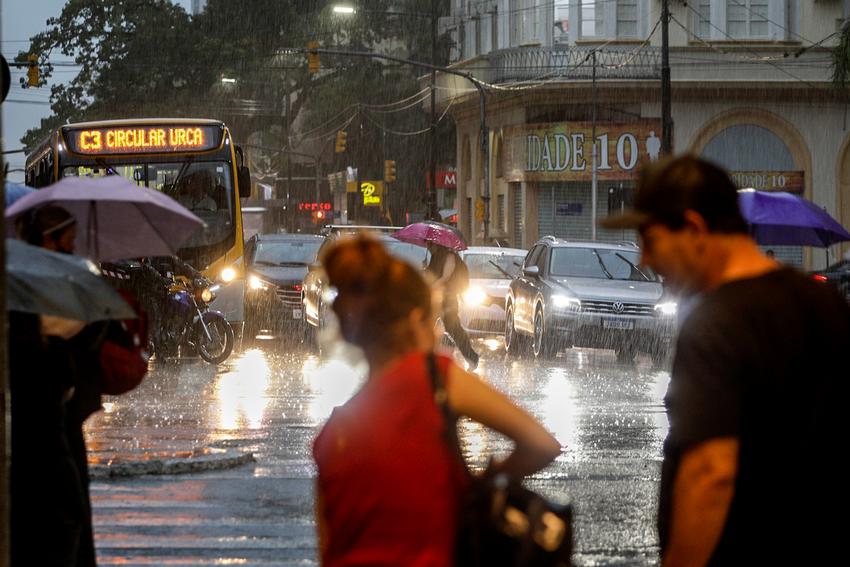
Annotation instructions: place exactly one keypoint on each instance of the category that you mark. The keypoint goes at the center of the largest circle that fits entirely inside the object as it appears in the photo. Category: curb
(218, 460)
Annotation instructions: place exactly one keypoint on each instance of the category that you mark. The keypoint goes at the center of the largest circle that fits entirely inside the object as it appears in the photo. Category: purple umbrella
(116, 219)
(783, 219)
(421, 233)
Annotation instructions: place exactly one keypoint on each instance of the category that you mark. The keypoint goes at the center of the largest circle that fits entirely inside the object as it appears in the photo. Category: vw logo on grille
(618, 307)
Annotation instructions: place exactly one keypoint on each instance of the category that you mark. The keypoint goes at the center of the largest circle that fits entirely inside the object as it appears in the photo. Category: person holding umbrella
(452, 278)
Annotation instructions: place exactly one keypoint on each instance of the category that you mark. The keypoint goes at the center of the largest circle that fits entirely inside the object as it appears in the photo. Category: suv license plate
(617, 324)
(296, 313)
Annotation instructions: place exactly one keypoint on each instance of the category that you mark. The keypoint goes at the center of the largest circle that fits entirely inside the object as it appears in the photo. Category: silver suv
(588, 294)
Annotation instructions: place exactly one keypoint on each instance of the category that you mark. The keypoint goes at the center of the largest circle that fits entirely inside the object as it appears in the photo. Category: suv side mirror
(532, 271)
(243, 177)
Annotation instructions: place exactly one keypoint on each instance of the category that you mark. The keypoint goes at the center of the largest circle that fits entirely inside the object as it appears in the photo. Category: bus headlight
(228, 275)
(474, 296)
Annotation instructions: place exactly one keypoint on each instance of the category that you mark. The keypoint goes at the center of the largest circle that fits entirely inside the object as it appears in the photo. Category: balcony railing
(566, 63)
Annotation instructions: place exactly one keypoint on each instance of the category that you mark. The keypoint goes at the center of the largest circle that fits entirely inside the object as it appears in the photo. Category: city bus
(194, 161)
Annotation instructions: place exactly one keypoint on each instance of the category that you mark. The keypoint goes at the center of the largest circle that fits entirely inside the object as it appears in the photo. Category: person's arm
(702, 492)
(534, 447)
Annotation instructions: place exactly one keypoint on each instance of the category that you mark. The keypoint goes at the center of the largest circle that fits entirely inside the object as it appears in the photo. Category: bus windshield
(205, 188)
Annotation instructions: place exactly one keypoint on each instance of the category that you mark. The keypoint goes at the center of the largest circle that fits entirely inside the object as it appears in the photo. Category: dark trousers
(451, 322)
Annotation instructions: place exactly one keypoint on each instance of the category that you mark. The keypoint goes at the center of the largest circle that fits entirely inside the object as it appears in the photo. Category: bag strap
(441, 400)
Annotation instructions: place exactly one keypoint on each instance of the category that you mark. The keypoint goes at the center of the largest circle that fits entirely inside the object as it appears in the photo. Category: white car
(491, 269)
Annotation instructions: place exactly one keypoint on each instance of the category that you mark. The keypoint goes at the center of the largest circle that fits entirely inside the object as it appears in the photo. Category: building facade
(751, 90)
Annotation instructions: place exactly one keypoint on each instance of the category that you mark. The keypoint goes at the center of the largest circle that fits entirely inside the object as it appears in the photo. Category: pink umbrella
(422, 233)
(116, 219)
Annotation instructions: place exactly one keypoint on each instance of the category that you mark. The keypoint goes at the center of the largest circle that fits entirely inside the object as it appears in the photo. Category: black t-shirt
(765, 360)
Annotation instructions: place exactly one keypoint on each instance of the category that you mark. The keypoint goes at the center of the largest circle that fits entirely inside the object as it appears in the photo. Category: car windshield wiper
(633, 266)
(501, 269)
(291, 264)
(264, 263)
(602, 265)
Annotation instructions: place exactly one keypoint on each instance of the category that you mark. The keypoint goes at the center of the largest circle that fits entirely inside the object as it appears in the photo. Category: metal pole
(5, 416)
(290, 217)
(485, 152)
(431, 211)
(666, 120)
(593, 197)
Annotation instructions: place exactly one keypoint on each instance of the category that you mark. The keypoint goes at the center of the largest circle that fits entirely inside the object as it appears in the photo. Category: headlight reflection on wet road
(559, 410)
(331, 384)
(242, 393)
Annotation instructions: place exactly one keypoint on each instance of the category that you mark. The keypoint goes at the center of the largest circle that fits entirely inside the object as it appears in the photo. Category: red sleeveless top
(391, 486)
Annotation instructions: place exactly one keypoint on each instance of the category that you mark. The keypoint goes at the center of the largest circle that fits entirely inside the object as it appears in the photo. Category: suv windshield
(286, 253)
(600, 263)
(493, 266)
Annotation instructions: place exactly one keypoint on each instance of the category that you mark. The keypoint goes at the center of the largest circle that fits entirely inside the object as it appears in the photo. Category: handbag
(123, 354)
(502, 523)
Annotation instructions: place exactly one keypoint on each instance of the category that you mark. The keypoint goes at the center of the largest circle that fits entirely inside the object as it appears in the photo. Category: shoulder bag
(502, 523)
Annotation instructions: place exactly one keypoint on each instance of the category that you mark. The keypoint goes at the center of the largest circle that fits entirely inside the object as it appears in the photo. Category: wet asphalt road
(271, 399)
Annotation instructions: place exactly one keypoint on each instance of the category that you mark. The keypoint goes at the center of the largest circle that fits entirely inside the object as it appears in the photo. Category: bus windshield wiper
(181, 173)
(633, 266)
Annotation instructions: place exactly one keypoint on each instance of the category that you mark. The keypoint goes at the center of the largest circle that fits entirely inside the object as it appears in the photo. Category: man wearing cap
(755, 401)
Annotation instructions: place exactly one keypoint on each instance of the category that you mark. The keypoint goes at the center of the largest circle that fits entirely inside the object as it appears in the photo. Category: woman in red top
(389, 486)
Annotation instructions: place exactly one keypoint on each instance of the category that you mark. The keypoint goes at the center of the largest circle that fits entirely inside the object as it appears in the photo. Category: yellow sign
(373, 191)
(564, 151)
(154, 139)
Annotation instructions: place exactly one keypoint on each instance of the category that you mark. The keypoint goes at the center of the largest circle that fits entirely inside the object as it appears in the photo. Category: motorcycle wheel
(217, 350)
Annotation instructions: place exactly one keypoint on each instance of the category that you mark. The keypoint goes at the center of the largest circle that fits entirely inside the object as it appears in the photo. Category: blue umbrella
(15, 191)
(783, 219)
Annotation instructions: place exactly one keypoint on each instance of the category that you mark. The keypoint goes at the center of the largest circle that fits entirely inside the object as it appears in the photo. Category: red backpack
(123, 354)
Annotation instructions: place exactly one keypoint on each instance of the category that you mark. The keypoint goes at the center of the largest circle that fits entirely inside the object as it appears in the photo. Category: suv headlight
(474, 296)
(256, 283)
(566, 302)
(667, 309)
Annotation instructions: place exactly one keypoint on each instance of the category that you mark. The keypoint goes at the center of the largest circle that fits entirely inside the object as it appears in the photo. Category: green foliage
(146, 58)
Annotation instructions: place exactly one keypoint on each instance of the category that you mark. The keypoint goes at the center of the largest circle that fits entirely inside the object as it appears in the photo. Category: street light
(228, 80)
(431, 212)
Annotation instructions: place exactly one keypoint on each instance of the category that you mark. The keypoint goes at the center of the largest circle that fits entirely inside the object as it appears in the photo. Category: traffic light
(389, 170)
(33, 73)
(479, 209)
(341, 137)
(318, 216)
(313, 63)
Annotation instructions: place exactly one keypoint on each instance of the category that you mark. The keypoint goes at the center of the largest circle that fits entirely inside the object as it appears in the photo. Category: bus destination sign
(143, 139)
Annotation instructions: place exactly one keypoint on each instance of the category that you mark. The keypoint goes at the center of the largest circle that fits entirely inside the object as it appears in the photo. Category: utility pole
(593, 181)
(290, 216)
(431, 212)
(666, 120)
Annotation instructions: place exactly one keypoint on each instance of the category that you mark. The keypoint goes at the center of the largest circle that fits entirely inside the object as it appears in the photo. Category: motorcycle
(188, 322)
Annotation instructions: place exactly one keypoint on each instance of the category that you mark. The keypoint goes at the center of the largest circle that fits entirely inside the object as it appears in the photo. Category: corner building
(751, 91)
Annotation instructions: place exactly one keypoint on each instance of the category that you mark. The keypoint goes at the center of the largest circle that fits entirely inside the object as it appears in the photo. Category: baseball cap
(669, 187)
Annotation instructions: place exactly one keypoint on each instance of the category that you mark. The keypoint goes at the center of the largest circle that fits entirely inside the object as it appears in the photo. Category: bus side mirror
(244, 180)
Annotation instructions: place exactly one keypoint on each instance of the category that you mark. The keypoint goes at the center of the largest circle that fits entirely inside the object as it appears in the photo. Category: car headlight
(206, 295)
(566, 302)
(228, 275)
(668, 309)
(474, 296)
(256, 283)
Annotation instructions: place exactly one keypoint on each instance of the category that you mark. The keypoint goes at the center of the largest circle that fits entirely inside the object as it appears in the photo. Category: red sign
(445, 179)
(324, 206)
